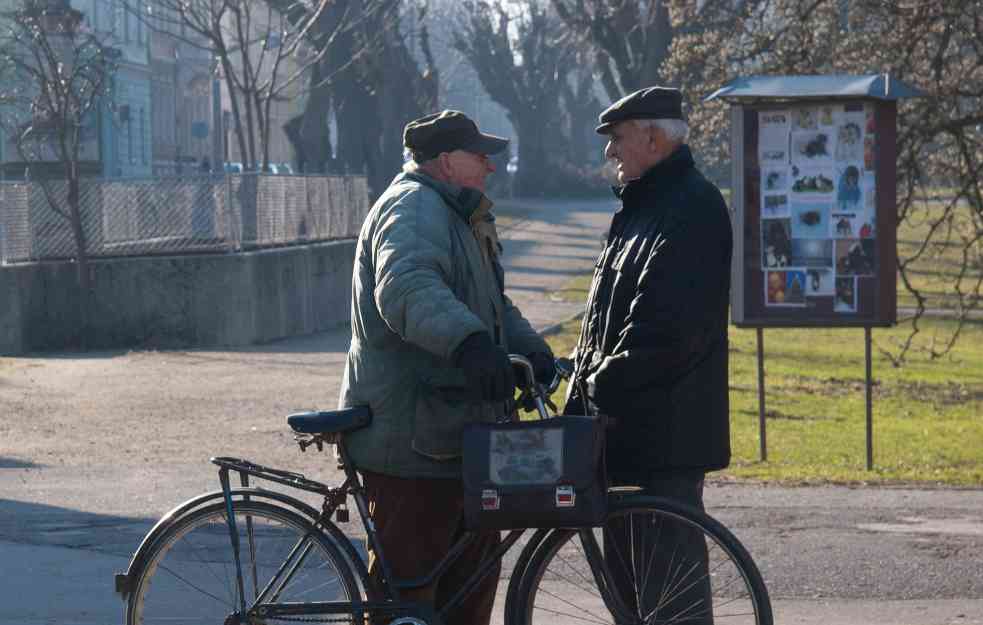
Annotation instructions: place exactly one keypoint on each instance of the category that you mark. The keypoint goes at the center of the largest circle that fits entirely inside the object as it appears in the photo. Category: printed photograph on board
(855, 257)
(776, 247)
(795, 287)
(810, 220)
(774, 205)
(845, 299)
(819, 282)
(812, 148)
(852, 225)
(773, 131)
(774, 180)
(812, 181)
(869, 153)
(774, 156)
(849, 194)
(805, 118)
(849, 140)
(827, 115)
(812, 253)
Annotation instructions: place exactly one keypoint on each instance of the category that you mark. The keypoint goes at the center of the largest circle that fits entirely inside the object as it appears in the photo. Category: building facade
(157, 116)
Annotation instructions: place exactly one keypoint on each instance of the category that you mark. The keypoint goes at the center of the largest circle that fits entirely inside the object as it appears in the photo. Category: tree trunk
(81, 256)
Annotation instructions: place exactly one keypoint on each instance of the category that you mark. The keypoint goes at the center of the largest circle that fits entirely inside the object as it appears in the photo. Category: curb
(555, 327)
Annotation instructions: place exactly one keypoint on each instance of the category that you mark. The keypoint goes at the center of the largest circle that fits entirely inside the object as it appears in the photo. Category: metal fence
(178, 215)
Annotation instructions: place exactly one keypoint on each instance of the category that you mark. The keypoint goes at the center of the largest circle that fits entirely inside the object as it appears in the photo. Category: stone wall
(178, 301)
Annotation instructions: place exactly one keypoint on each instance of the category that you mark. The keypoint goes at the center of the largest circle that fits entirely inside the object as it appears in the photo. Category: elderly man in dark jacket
(653, 347)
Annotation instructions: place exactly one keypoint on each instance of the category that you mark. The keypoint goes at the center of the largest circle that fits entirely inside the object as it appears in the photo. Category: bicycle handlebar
(540, 395)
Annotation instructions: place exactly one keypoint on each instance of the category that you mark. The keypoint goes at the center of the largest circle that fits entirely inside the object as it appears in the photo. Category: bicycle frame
(384, 599)
(265, 604)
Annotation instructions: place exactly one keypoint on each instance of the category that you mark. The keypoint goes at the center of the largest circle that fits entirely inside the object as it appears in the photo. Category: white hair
(675, 130)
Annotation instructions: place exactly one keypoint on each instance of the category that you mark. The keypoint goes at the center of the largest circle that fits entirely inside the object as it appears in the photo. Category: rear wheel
(655, 562)
(189, 576)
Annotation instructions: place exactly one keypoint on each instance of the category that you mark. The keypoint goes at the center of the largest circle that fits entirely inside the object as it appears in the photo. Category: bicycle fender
(123, 582)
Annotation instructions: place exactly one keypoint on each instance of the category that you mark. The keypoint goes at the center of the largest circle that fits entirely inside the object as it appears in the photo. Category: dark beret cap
(447, 131)
(648, 103)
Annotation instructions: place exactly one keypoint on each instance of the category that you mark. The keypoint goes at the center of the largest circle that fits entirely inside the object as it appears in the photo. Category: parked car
(234, 168)
(281, 169)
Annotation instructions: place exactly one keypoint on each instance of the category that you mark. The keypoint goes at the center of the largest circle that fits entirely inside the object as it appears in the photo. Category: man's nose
(609, 150)
(490, 165)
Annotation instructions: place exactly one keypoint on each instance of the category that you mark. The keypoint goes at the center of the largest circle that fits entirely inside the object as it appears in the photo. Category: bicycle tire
(190, 567)
(562, 581)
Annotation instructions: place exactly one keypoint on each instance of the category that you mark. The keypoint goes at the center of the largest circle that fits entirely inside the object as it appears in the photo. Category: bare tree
(525, 59)
(263, 51)
(52, 78)
(934, 45)
(630, 39)
(370, 81)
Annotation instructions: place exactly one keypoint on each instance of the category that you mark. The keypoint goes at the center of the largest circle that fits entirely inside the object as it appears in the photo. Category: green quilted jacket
(426, 276)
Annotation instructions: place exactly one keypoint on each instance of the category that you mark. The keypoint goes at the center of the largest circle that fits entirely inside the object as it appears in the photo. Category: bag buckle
(565, 496)
(490, 499)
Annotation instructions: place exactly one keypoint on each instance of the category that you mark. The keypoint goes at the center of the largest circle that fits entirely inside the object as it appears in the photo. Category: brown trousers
(418, 520)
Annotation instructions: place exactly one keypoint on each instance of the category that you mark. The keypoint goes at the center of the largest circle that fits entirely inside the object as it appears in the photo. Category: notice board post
(813, 198)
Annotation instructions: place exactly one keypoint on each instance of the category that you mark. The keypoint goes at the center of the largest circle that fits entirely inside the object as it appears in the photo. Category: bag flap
(512, 457)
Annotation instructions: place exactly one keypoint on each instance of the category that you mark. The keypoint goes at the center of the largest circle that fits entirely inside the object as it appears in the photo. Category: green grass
(927, 415)
(938, 267)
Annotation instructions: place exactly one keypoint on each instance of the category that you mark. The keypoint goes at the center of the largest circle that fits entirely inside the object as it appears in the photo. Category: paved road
(94, 447)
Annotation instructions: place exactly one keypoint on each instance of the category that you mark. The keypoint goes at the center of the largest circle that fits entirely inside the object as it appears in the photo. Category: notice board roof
(877, 86)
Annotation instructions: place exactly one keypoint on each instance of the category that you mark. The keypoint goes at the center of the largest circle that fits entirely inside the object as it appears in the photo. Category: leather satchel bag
(543, 473)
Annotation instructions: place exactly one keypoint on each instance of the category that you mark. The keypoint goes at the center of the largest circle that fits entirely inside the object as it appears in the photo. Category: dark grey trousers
(669, 558)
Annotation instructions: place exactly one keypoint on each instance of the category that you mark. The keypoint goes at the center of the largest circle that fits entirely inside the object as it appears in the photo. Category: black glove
(486, 367)
(543, 366)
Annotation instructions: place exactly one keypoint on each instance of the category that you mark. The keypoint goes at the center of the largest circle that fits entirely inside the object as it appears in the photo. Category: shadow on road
(13, 463)
(29, 523)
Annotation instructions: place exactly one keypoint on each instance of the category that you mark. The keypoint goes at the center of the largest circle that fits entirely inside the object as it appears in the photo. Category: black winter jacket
(653, 345)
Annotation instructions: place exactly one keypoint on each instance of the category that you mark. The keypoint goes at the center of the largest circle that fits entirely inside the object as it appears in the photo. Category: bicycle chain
(324, 619)
(304, 619)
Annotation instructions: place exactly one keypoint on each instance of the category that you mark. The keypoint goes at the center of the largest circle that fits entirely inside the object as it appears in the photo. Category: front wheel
(653, 562)
(190, 574)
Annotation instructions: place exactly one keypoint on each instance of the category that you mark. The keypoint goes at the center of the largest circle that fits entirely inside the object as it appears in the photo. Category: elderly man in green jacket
(431, 330)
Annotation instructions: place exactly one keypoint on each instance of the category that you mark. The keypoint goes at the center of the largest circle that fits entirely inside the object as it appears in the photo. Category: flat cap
(648, 103)
(447, 131)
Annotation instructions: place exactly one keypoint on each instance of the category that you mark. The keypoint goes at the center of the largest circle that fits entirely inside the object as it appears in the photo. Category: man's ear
(654, 135)
(444, 162)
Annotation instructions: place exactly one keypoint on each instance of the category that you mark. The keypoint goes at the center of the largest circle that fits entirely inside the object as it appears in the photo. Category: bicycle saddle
(330, 421)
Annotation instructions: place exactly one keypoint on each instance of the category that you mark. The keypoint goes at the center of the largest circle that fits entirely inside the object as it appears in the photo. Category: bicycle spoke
(572, 605)
(586, 589)
(614, 542)
(252, 555)
(655, 550)
(587, 580)
(204, 592)
(227, 584)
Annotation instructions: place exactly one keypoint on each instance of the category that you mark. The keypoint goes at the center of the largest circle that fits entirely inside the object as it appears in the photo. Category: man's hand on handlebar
(546, 377)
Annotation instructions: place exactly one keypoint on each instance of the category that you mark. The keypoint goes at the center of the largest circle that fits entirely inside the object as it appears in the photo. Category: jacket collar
(667, 170)
(463, 200)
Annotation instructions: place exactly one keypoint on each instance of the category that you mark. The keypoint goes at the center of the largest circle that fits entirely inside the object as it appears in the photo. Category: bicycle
(249, 555)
